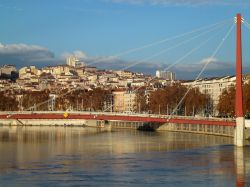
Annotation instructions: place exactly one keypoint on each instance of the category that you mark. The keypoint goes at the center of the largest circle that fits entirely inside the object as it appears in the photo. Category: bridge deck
(121, 117)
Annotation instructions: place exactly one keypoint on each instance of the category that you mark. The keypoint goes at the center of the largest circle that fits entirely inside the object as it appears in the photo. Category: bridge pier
(239, 132)
(104, 124)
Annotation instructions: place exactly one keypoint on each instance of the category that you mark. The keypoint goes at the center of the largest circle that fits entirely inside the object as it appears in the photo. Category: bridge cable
(246, 24)
(204, 67)
(187, 54)
(170, 48)
(181, 43)
(145, 46)
(175, 63)
(161, 41)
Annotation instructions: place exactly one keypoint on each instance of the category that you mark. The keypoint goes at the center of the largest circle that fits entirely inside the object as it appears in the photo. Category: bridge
(194, 124)
(102, 116)
(215, 126)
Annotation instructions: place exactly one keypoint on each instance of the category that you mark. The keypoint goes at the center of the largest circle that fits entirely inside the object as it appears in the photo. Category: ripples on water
(58, 156)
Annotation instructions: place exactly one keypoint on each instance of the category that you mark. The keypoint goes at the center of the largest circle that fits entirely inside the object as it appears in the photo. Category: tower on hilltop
(72, 61)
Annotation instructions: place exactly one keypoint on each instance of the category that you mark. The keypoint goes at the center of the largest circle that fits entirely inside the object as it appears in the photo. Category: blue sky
(45, 32)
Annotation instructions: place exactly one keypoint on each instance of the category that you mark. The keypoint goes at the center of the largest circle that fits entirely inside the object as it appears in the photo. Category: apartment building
(168, 75)
(215, 86)
(7, 70)
(123, 101)
(29, 72)
(126, 74)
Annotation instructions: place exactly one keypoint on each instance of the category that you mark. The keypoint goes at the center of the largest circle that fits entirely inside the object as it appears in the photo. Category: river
(77, 156)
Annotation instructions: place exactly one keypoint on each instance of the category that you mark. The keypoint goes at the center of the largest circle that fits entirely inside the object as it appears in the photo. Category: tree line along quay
(143, 100)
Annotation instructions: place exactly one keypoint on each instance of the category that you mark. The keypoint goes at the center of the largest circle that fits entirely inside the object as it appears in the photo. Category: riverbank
(98, 121)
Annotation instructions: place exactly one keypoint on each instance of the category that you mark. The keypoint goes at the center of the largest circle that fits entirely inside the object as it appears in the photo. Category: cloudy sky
(138, 35)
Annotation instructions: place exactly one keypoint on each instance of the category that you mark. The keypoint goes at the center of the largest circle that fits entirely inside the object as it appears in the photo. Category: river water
(72, 156)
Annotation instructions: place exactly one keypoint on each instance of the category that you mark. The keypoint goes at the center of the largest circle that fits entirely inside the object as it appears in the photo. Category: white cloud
(79, 54)
(22, 48)
(23, 54)
(208, 60)
(213, 63)
(215, 68)
(95, 60)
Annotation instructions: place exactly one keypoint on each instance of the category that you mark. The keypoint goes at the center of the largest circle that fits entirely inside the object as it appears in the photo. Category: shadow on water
(50, 156)
(147, 127)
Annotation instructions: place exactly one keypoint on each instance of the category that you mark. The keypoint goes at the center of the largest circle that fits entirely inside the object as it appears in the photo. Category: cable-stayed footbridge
(205, 124)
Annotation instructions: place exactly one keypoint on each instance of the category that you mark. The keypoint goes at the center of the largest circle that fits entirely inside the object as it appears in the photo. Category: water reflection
(85, 156)
(242, 162)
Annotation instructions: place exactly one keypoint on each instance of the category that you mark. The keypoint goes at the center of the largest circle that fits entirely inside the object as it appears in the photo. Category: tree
(197, 103)
(83, 99)
(8, 101)
(77, 99)
(141, 100)
(166, 101)
(226, 105)
(98, 97)
(36, 100)
(158, 101)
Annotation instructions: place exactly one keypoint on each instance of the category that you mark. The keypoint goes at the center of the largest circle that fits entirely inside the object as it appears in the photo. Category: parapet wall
(191, 128)
(47, 122)
(196, 128)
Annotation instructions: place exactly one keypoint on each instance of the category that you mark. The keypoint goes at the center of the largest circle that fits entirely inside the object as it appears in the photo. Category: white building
(72, 61)
(29, 72)
(137, 83)
(93, 78)
(213, 87)
(129, 101)
(168, 75)
(7, 69)
(57, 71)
(127, 74)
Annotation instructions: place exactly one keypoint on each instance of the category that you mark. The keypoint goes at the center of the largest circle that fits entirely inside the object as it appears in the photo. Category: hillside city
(76, 86)
(125, 93)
